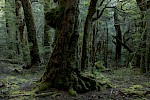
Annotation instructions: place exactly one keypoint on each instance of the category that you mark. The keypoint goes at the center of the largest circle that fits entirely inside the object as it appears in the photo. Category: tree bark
(87, 26)
(62, 62)
(118, 36)
(144, 5)
(94, 45)
(62, 71)
(31, 30)
(20, 24)
(10, 30)
(46, 27)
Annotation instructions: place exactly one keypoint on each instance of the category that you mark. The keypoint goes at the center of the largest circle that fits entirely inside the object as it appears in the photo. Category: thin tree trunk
(87, 26)
(20, 31)
(118, 36)
(17, 10)
(31, 30)
(46, 27)
(106, 50)
(10, 18)
(144, 6)
(94, 45)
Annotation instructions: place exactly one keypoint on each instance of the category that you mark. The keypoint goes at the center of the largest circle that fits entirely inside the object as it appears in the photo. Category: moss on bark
(61, 71)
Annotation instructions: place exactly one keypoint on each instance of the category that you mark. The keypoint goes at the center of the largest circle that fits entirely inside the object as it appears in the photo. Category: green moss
(22, 92)
(114, 85)
(41, 87)
(125, 74)
(133, 91)
(72, 92)
(136, 87)
(99, 65)
(14, 86)
(147, 84)
(54, 95)
(88, 74)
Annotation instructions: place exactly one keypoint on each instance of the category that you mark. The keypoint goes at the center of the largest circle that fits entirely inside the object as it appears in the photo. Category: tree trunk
(144, 6)
(118, 36)
(18, 22)
(61, 71)
(62, 63)
(106, 47)
(46, 27)
(10, 30)
(94, 45)
(88, 22)
(34, 52)
(20, 31)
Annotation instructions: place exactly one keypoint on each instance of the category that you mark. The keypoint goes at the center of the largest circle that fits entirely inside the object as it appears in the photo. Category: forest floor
(17, 84)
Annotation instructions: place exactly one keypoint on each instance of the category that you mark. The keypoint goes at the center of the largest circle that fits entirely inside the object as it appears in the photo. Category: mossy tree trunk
(62, 63)
(61, 71)
(20, 31)
(10, 28)
(143, 58)
(17, 10)
(31, 30)
(87, 26)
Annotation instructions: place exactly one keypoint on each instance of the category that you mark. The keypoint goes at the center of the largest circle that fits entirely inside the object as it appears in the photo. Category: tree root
(84, 83)
(75, 83)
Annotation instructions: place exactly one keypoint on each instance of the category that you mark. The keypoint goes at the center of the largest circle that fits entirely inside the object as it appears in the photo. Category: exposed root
(79, 83)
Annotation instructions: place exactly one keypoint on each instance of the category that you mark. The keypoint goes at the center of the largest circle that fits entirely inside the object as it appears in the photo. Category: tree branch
(124, 45)
(101, 13)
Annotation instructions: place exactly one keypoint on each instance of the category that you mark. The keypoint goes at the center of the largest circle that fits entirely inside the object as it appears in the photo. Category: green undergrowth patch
(126, 74)
(135, 90)
(29, 95)
(146, 84)
(130, 82)
(12, 83)
(72, 92)
(17, 81)
(21, 85)
(100, 78)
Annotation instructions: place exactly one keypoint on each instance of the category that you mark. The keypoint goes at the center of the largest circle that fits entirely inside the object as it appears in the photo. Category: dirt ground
(18, 84)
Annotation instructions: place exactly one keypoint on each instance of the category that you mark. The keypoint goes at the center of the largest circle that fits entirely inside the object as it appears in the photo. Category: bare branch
(124, 45)
(101, 13)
